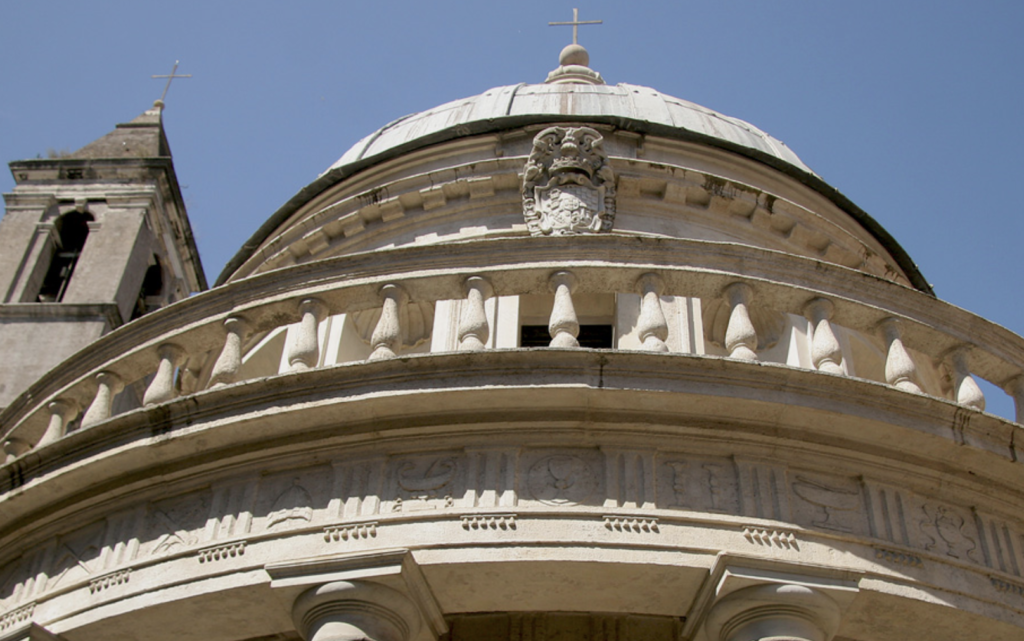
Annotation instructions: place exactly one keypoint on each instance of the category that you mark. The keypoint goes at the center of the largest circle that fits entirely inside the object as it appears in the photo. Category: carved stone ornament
(568, 187)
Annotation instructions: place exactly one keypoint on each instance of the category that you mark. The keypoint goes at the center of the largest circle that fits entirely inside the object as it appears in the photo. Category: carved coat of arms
(568, 187)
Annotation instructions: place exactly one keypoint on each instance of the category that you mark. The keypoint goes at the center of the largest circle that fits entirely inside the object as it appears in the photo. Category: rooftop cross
(171, 77)
(575, 24)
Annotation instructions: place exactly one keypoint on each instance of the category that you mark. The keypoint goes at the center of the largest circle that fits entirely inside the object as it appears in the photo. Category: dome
(574, 93)
(631, 107)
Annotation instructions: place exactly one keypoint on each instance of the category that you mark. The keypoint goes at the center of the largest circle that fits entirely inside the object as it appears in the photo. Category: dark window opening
(594, 336)
(72, 230)
(152, 286)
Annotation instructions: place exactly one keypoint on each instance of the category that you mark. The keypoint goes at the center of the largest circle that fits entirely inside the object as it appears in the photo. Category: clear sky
(911, 108)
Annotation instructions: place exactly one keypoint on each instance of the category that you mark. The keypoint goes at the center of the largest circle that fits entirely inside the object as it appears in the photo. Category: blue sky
(910, 108)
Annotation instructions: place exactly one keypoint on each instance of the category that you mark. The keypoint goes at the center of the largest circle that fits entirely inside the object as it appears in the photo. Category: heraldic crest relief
(568, 187)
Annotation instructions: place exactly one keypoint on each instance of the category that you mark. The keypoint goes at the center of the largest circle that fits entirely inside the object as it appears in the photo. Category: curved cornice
(496, 125)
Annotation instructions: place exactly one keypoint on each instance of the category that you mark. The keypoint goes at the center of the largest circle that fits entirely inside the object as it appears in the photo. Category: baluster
(1015, 388)
(473, 328)
(225, 370)
(61, 413)
(965, 388)
(108, 385)
(900, 370)
(305, 352)
(387, 335)
(563, 326)
(161, 389)
(826, 354)
(651, 326)
(15, 447)
(740, 335)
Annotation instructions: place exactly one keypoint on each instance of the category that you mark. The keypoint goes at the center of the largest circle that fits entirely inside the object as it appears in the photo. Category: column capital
(385, 589)
(773, 611)
(748, 599)
(355, 611)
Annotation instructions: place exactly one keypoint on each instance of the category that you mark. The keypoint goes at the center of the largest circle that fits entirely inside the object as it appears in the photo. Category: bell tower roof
(142, 137)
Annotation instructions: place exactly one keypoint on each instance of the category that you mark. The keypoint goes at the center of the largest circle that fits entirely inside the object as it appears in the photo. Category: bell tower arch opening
(72, 231)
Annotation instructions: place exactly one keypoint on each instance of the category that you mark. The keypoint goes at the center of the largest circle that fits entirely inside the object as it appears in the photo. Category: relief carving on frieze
(947, 532)
(426, 483)
(568, 187)
(698, 484)
(562, 479)
(831, 503)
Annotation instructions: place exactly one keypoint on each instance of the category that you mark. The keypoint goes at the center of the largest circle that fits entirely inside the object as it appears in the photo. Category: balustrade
(826, 353)
(61, 413)
(15, 447)
(127, 359)
(162, 388)
(225, 370)
(563, 326)
(473, 329)
(900, 369)
(965, 389)
(108, 385)
(651, 326)
(387, 335)
(740, 335)
(305, 352)
(1015, 388)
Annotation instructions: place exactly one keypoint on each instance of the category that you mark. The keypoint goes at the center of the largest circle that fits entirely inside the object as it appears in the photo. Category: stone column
(355, 611)
(775, 611)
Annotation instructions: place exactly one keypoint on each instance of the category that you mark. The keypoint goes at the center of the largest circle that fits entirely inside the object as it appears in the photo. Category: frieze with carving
(947, 532)
(832, 504)
(568, 187)
(697, 484)
(426, 483)
(562, 479)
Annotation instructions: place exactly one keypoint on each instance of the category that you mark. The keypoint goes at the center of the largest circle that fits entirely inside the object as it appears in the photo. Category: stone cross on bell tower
(171, 76)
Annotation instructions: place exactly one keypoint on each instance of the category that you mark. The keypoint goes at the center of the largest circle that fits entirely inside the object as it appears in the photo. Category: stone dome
(577, 94)
(631, 107)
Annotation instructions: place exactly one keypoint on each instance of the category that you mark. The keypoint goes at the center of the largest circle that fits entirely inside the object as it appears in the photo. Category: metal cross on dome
(575, 24)
(171, 77)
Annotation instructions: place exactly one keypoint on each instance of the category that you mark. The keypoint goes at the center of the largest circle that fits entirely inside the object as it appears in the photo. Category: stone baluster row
(473, 333)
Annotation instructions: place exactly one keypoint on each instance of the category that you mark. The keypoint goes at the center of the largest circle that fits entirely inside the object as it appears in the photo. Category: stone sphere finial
(574, 54)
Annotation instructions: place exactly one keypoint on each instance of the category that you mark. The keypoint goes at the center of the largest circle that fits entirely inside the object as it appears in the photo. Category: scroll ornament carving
(568, 187)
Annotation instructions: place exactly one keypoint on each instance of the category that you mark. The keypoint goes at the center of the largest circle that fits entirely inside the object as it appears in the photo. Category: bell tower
(88, 242)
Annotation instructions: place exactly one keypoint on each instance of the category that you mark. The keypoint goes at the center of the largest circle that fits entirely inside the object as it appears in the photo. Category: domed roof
(632, 107)
(572, 92)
